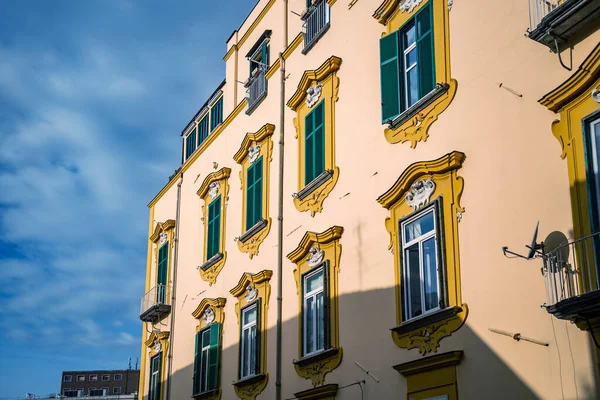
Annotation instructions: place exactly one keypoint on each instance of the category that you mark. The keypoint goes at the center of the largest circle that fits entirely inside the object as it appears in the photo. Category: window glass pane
(419, 227)
(424, 20)
(252, 350)
(320, 323)
(409, 37)
(250, 316)
(595, 165)
(411, 58)
(430, 272)
(314, 282)
(319, 152)
(245, 352)
(412, 87)
(413, 276)
(310, 320)
(204, 373)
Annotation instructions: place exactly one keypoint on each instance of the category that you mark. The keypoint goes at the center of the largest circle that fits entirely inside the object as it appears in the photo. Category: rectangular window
(216, 114)
(161, 281)
(155, 377)
(250, 340)
(68, 378)
(106, 377)
(70, 393)
(206, 359)
(117, 390)
(118, 377)
(80, 378)
(95, 392)
(421, 277)
(190, 143)
(315, 311)
(254, 192)
(94, 378)
(314, 143)
(214, 228)
(259, 61)
(203, 129)
(593, 167)
(407, 64)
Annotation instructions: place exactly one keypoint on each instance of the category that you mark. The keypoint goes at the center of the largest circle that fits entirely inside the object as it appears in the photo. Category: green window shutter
(163, 264)
(254, 193)
(216, 114)
(309, 148)
(203, 129)
(425, 51)
(250, 197)
(390, 77)
(256, 365)
(214, 227)
(302, 311)
(213, 357)
(319, 139)
(155, 366)
(190, 144)
(326, 306)
(264, 57)
(314, 143)
(196, 378)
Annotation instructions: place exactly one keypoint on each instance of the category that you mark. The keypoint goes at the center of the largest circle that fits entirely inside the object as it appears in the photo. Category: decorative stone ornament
(251, 293)
(162, 238)
(596, 95)
(213, 189)
(315, 256)
(157, 345)
(209, 316)
(253, 153)
(420, 193)
(409, 5)
(450, 3)
(312, 95)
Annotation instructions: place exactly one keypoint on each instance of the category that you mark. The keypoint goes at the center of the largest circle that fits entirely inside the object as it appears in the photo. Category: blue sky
(93, 97)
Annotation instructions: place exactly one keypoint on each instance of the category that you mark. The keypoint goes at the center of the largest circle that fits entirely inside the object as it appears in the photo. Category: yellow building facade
(351, 216)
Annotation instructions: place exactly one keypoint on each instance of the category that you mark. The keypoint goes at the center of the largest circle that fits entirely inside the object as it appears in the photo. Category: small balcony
(316, 23)
(156, 304)
(571, 276)
(257, 89)
(554, 23)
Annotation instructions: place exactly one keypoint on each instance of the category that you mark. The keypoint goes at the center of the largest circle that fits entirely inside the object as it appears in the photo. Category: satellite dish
(534, 246)
(556, 245)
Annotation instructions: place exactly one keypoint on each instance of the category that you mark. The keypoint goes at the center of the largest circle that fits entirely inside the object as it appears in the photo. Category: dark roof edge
(203, 106)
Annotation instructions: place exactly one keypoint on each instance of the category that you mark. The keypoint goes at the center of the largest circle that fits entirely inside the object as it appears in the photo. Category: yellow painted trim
(233, 48)
(147, 287)
(263, 139)
(329, 243)
(286, 54)
(211, 138)
(416, 129)
(325, 75)
(449, 186)
(325, 392)
(432, 376)
(167, 227)
(163, 339)
(574, 102)
(260, 282)
(222, 178)
(218, 305)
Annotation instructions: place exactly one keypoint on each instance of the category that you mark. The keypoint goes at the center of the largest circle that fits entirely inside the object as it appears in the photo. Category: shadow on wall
(481, 373)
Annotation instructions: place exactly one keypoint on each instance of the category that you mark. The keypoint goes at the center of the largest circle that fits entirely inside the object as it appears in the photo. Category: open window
(157, 346)
(258, 60)
(425, 210)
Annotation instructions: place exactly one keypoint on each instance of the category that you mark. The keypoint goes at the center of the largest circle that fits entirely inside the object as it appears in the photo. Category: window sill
(211, 261)
(427, 319)
(253, 231)
(209, 394)
(316, 357)
(313, 185)
(250, 380)
(413, 110)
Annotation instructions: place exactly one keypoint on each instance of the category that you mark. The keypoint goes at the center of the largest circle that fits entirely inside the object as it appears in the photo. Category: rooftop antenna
(129, 363)
(534, 247)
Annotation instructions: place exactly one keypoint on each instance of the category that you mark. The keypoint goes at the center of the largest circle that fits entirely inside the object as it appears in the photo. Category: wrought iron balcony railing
(156, 303)
(257, 89)
(571, 275)
(316, 23)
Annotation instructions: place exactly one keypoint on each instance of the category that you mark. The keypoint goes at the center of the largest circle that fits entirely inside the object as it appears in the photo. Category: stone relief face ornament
(251, 293)
(409, 5)
(596, 95)
(209, 316)
(213, 189)
(313, 94)
(162, 238)
(420, 192)
(157, 345)
(315, 256)
(253, 152)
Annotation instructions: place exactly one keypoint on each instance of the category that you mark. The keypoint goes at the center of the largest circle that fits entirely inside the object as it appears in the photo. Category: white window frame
(104, 391)
(80, 392)
(68, 380)
(595, 154)
(95, 376)
(405, 62)
(120, 377)
(305, 297)
(247, 354)
(405, 270)
(107, 376)
(117, 390)
(81, 380)
(204, 352)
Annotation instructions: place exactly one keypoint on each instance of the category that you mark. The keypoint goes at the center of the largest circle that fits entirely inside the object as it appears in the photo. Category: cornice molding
(438, 361)
(264, 132)
(161, 336)
(577, 84)
(219, 302)
(162, 227)
(221, 174)
(448, 162)
(309, 238)
(248, 278)
(386, 10)
(332, 64)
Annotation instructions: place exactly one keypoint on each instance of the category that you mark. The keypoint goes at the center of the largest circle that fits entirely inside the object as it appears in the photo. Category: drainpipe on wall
(280, 207)
(173, 289)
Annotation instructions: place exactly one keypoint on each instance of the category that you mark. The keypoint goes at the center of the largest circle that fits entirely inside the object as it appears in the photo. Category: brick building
(99, 382)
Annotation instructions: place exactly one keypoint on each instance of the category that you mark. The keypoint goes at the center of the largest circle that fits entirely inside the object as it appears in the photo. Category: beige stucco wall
(513, 177)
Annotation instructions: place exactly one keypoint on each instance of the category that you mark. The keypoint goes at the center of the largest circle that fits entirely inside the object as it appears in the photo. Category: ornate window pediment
(425, 182)
(255, 156)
